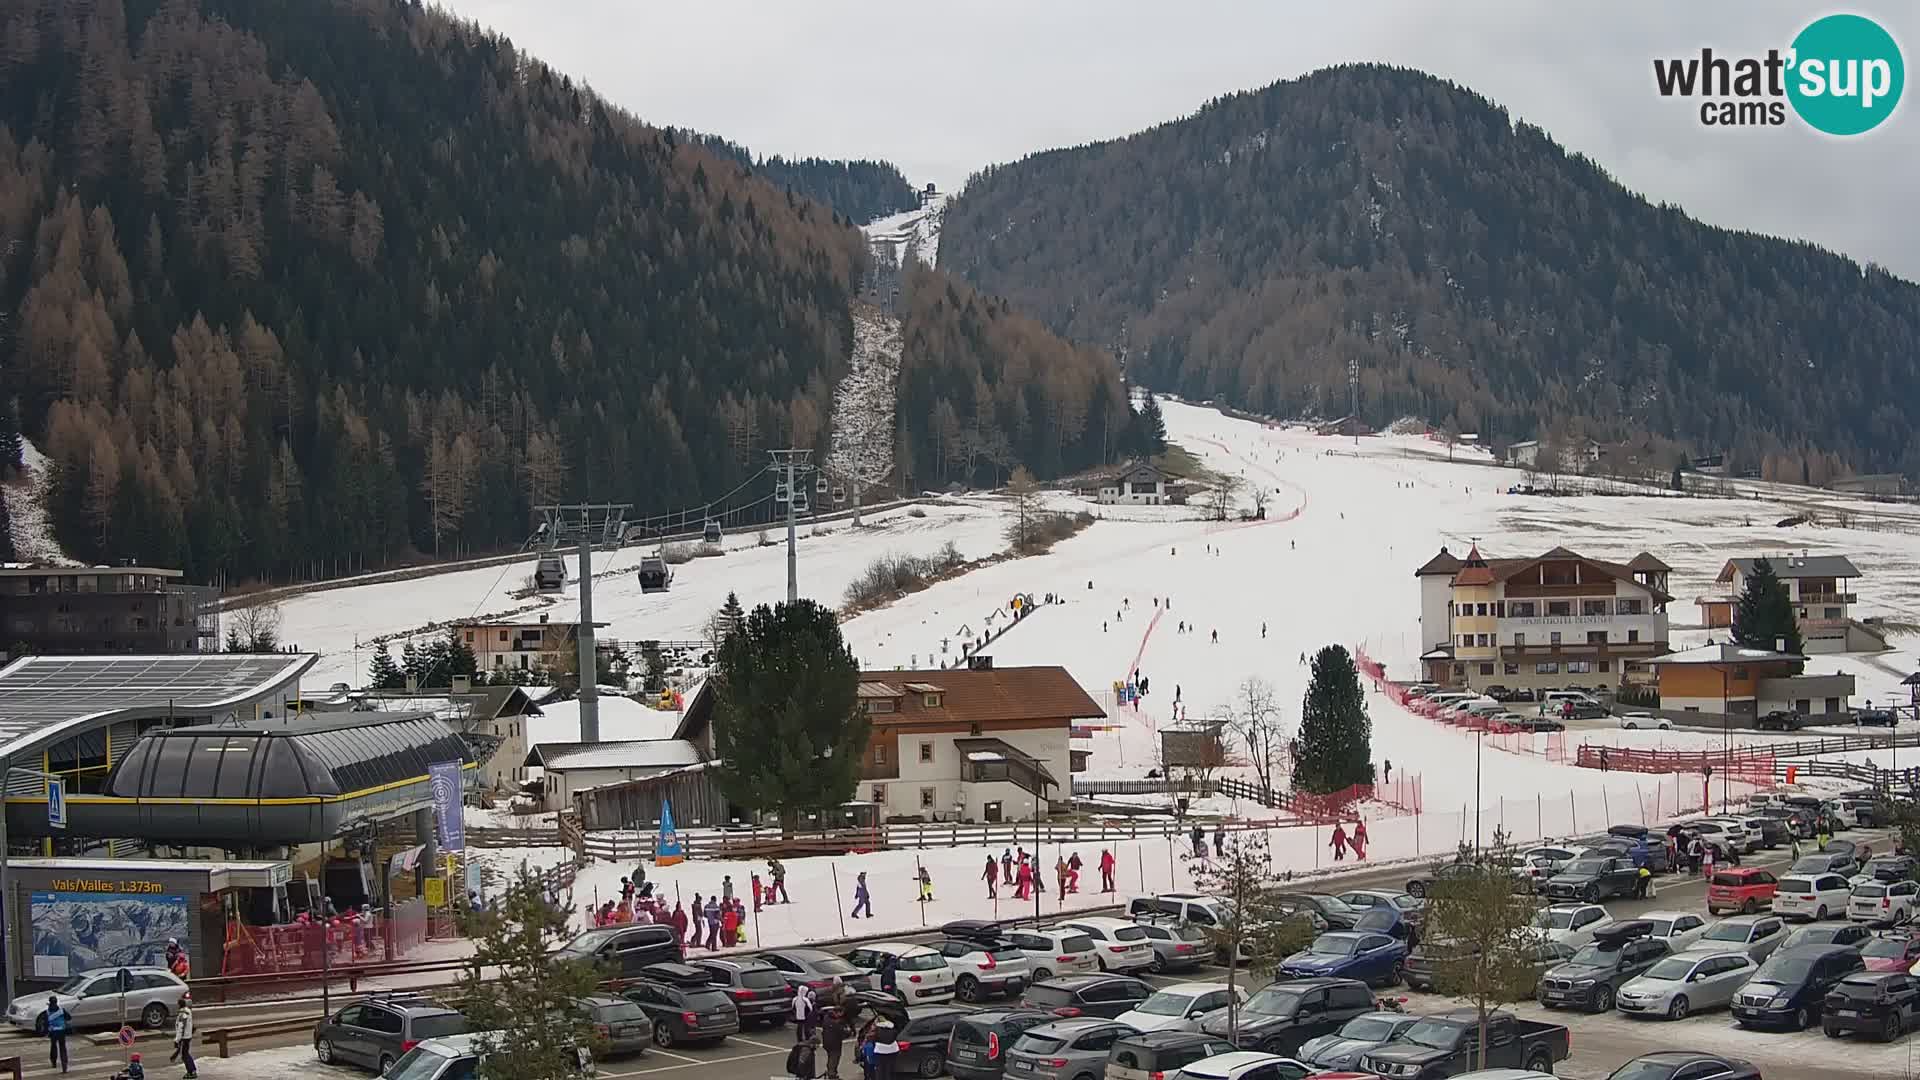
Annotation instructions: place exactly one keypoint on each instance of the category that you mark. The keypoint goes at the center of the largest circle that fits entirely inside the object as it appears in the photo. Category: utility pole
(585, 524)
(589, 669)
(1353, 384)
(791, 466)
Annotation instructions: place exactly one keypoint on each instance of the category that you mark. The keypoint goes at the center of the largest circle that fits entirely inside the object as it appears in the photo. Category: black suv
(1105, 996)
(1159, 1053)
(682, 1005)
(923, 1042)
(980, 1041)
(1790, 989)
(1592, 878)
(1880, 1002)
(1282, 1015)
(374, 1033)
(760, 994)
(1593, 975)
(622, 951)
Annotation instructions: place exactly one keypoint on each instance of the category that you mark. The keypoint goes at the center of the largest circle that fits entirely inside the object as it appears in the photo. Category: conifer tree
(523, 1001)
(1336, 735)
(11, 447)
(654, 679)
(786, 723)
(1763, 614)
(412, 664)
(383, 673)
(1151, 426)
(459, 656)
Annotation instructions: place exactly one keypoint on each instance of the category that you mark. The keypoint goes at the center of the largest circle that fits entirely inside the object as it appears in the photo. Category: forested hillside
(297, 286)
(858, 191)
(1478, 275)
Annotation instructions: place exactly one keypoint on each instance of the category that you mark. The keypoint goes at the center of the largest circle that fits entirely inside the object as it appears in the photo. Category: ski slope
(916, 231)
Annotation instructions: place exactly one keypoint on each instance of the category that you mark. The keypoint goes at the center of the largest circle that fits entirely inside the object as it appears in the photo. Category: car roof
(731, 963)
(1076, 981)
(1193, 987)
(897, 948)
(1240, 1059)
(1811, 951)
(1073, 1026)
(1104, 922)
(801, 954)
(1170, 1037)
(1649, 916)
(1740, 871)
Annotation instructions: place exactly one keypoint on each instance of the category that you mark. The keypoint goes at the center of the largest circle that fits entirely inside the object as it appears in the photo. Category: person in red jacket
(1339, 842)
(679, 919)
(1359, 840)
(729, 926)
(1106, 870)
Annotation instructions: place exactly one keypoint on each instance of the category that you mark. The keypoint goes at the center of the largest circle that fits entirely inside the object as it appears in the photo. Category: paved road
(1600, 1043)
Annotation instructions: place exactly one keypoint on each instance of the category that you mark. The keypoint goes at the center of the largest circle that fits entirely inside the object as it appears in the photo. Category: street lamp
(1912, 683)
(1479, 743)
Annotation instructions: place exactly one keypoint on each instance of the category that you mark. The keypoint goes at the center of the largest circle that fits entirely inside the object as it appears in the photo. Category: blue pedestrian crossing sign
(56, 803)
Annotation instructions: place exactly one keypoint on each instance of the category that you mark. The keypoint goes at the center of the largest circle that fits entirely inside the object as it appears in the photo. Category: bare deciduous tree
(1220, 500)
(1256, 722)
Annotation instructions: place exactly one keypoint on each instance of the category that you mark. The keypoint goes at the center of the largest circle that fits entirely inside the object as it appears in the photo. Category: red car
(1891, 952)
(1745, 889)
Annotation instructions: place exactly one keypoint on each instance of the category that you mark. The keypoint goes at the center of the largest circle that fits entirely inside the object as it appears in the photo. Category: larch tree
(1479, 928)
(787, 727)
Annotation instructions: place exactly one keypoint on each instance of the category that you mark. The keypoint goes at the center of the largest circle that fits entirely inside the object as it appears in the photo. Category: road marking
(768, 1046)
(671, 1054)
(690, 1064)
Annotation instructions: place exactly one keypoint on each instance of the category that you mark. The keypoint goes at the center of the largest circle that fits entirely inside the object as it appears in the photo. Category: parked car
(1105, 996)
(1447, 1044)
(1685, 1065)
(1896, 951)
(621, 951)
(1756, 935)
(924, 1040)
(1790, 989)
(978, 1048)
(1344, 1048)
(1890, 867)
(1535, 723)
(759, 991)
(1772, 831)
(1642, 845)
(1338, 914)
(1593, 880)
(1852, 935)
(1376, 959)
(1180, 1007)
(1196, 908)
(1730, 835)
(682, 1006)
(1424, 960)
(1281, 1016)
(1839, 862)
(983, 969)
(1797, 821)
(1421, 886)
(1363, 900)
(920, 975)
(1156, 1055)
(1873, 718)
(1633, 720)
(93, 998)
(1678, 986)
(1246, 1065)
(1781, 720)
(1053, 952)
(1177, 946)
(458, 1057)
(1592, 977)
(375, 1033)
(1858, 807)
(1679, 929)
(1811, 896)
(1883, 902)
(621, 1026)
(1882, 1003)
(817, 968)
(1745, 889)
(1066, 1049)
(1570, 924)
(1119, 945)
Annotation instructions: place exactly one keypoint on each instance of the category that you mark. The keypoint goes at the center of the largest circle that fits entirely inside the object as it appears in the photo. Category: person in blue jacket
(58, 1024)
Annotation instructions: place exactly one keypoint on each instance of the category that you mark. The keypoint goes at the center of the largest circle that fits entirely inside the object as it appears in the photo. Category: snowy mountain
(916, 231)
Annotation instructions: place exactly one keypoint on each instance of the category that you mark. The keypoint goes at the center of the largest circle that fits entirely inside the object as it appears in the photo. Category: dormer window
(931, 701)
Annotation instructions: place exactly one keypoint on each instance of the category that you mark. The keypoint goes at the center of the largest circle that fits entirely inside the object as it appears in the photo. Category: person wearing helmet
(135, 1070)
(183, 1035)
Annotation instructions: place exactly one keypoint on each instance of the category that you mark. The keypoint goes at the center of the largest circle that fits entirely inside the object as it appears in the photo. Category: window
(1803, 706)
(1629, 605)
(880, 794)
(1522, 609)
(931, 701)
(1593, 607)
(1833, 704)
(503, 635)
(1487, 669)
(926, 752)
(1553, 638)
(1559, 607)
(879, 754)
(1519, 640)
(1604, 666)
(1480, 640)
(1466, 640)
(926, 798)
(469, 637)
(1579, 667)
(1830, 613)
(1633, 636)
(1510, 669)
(1500, 609)
(1739, 672)
(1547, 667)
(879, 705)
(1596, 637)
(1480, 609)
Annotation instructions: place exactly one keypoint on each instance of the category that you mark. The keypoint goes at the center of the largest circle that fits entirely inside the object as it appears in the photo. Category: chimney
(543, 617)
(413, 683)
(463, 684)
(1780, 644)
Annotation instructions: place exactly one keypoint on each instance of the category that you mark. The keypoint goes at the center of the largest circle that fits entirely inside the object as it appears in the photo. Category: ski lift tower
(586, 524)
(790, 469)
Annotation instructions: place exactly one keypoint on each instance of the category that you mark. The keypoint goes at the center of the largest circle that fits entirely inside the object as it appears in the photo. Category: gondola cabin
(655, 574)
(550, 574)
(712, 533)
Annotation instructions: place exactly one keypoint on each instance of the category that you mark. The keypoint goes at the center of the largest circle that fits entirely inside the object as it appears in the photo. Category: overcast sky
(943, 89)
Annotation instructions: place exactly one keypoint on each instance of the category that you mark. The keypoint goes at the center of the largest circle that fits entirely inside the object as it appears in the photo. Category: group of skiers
(827, 1021)
(712, 922)
(1023, 873)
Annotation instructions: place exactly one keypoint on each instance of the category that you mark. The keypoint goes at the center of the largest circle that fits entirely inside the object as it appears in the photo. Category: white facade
(1140, 486)
(929, 784)
(1436, 610)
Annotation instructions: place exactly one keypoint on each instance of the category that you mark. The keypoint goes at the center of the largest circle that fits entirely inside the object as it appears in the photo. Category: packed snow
(916, 231)
(864, 402)
(26, 495)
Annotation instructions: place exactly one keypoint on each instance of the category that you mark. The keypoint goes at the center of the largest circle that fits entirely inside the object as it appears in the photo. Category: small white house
(1138, 483)
(571, 767)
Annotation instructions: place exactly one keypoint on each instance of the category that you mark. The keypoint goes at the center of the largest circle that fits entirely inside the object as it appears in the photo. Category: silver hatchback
(1065, 1049)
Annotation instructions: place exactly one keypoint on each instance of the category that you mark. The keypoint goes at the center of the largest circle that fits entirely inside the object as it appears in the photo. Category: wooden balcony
(1579, 649)
(1535, 589)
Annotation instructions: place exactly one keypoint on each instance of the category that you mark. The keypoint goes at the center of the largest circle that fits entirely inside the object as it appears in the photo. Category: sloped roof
(627, 754)
(1725, 652)
(483, 703)
(1507, 569)
(1444, 563)
(1795, 566)
(1646, 561)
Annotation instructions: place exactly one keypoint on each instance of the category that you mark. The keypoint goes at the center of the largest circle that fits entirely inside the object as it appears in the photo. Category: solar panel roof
(41, 697)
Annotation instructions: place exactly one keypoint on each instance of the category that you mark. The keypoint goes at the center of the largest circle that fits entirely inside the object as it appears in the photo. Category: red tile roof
(996, 694)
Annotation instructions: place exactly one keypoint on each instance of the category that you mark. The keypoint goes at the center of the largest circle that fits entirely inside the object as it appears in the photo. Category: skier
(697, 915)
(778, 871)
(1006, 866)
(1176, 693)
(833, 1036)
(183, 1035)
(1387, 772)
(1216, 637)
(1293, 545)
(1339, 843)
(1073, 872)
(1143, 686)
(1219, 839)
(992, 877)
(730, 924)
(726, 888)
(862, 899)
(1359, 840)
(926, 884)
(626, 890)
(1103, 626)
(679, 920)
(755, 881)
(1263, 631)
(1060, 873)
(1199, 841)
(713, 922)
(1106, 870)
(1023, 880)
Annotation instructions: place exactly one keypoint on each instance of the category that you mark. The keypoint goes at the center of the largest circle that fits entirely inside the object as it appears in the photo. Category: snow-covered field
(916, 230)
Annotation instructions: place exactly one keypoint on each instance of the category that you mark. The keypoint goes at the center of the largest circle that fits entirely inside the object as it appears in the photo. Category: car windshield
(1733, 880)
(1273, 1001)
(1596, 955)
(832, 965)
(927, 961)
(1815, 935)
(1784, 969)
(1166, 1003)
(1334, 946)
(1436, 1034)
(419, 1063)
(761, 979)
(1672, 969)
(1661, 927)
(1884, 947)
(707, 1000)
(1553, 919)
(1585, 867)
(1729, 932)
(589, 941)
(1038, 1044)
(1368, 1028)
(443, 1024)
(1048, 996)
(1129, 933)
(1796, 885)
(73, 984)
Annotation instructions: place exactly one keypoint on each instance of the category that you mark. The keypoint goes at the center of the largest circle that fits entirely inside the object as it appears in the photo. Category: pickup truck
(1446, 1044)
